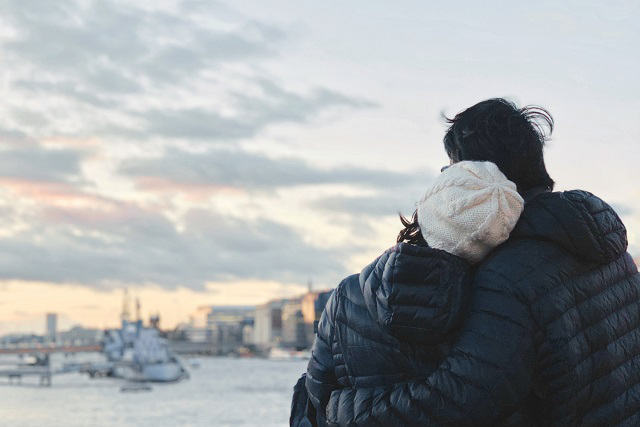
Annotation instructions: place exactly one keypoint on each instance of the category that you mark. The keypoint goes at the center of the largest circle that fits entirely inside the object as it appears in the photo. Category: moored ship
(138, 353)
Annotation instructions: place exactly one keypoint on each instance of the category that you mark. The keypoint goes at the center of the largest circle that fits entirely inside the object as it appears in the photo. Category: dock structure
(15, 374)
(42, 369)
(51, 349)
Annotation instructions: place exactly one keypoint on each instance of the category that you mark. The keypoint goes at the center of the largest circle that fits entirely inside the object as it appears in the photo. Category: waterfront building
(267, 329)
(195, 334)
(52, 326)
(81, 336)
(197, 330)
(222, 326)
(293, 328)
(311, 307)
(199, 318)
(209, 315)
(247, 334)
(226, 337)
(21, 340)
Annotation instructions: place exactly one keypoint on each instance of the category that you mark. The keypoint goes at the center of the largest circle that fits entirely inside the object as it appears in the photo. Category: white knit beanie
(470, 209)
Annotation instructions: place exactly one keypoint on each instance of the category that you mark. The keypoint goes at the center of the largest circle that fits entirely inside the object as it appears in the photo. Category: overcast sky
(202, 152)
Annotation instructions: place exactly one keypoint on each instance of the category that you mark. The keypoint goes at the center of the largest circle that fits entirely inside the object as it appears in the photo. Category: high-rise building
(52, 326)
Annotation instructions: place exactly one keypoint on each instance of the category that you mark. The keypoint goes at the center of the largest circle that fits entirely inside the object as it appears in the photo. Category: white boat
(135, 388)
(138, 353)
(163, 372)
(278, 353)
(194, 363)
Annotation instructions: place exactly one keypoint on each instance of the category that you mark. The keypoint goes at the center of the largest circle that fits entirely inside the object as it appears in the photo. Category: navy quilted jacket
(390, 323)
(550, 336)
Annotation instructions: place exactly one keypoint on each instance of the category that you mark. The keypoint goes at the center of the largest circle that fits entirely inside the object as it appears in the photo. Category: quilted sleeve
(321, 379)
(486, 375)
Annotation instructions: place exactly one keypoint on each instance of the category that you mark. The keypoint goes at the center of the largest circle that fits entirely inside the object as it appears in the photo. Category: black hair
(411, 232)
(496, 130)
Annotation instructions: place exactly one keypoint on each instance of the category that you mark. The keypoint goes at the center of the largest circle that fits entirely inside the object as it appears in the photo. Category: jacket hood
(416, 293)
(577, 221)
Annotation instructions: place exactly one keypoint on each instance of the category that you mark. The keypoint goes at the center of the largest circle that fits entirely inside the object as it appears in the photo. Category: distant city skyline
(59, 321)
(226, 153)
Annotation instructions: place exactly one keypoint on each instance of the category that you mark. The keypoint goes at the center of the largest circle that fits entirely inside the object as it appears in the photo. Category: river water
(221, 392)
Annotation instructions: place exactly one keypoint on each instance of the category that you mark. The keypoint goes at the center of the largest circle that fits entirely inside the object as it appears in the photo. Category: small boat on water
(278, 353)
(194, 363)
(135, 388)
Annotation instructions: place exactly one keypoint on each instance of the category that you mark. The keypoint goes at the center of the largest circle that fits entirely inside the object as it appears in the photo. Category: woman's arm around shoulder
(486, 375)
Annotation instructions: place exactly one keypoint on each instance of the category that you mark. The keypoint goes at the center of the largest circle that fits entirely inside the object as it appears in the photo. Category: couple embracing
(503, 303)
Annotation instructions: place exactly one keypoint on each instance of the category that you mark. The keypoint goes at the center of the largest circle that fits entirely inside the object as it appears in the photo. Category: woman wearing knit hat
(409, 302)
(469, 210)
(448, 329)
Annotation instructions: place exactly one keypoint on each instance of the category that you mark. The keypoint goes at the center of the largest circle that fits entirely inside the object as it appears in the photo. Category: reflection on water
(221, 392)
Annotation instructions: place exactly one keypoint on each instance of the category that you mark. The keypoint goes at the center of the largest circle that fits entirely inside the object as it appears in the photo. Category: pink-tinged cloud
(195, 192)
(64, 203)
(16, 139)
(92, 217)
(52, 193)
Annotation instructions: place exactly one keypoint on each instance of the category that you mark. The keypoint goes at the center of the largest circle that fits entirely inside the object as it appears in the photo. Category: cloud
(37, 163)
(42, 174)
(138, 246)
(240, 169)
(116, 78)
(386, 201)
(66, 89)
(117, 47)
(119, 69)
(14, 137)
(29, 117)
(253, 114)
(74, 235)
(379, 205)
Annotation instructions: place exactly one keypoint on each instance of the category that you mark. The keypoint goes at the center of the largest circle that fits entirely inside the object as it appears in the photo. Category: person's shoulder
(347, 284)
(579, 224)
(516, 261)
(349, 290)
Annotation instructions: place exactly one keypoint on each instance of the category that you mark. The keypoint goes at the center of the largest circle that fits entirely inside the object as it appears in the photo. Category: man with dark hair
(551, 336)
(513, 139)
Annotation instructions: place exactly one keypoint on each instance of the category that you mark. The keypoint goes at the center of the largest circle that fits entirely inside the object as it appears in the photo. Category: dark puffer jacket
(551, 336)
(390, 323)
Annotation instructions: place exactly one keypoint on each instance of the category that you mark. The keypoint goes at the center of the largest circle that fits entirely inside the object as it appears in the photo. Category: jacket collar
(532, 193)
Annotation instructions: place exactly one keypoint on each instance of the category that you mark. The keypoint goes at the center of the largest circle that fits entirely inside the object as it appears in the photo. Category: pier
(42, 368)
(15, 374)
(50, 349)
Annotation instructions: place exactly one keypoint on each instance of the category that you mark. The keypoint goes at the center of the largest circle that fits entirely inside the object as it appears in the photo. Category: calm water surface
(221, 392)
